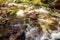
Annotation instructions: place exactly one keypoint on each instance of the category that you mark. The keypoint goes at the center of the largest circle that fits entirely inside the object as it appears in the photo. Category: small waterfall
(20, 13)
(58, 27)
(32, 31)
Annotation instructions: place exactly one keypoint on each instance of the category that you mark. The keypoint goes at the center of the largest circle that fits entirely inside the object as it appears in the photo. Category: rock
(55, 4)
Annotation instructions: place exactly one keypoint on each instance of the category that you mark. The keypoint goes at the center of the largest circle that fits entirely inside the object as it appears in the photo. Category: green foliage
(2, 23)
(36, 1)
(52, 14)
(12, 12)
(25, 0)
(49, 9)
(0, 35)
(20, 1)
(58, 10)
(30, 1)
(0, 0)
(17, 1)
(46, 5)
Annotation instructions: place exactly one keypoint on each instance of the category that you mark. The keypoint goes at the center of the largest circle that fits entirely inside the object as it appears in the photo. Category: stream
(30, 22)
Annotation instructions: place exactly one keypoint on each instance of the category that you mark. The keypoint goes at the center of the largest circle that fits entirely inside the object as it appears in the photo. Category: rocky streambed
(26, 21)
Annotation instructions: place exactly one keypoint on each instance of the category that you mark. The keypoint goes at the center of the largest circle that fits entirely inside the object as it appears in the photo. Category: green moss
(49, 9)
(2, 23)
(45, 5)
(12, 12)
(52, 14)
(25, 0)
(36, 1)
(58, 10)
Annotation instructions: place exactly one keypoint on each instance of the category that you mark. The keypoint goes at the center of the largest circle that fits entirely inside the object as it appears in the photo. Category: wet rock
(5, 36)
(57, 39)
(21, 36)
(55, 4)
(46, 1)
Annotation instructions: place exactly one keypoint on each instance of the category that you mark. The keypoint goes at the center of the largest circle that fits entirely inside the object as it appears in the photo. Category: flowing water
(32, 34)
(34, 23)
